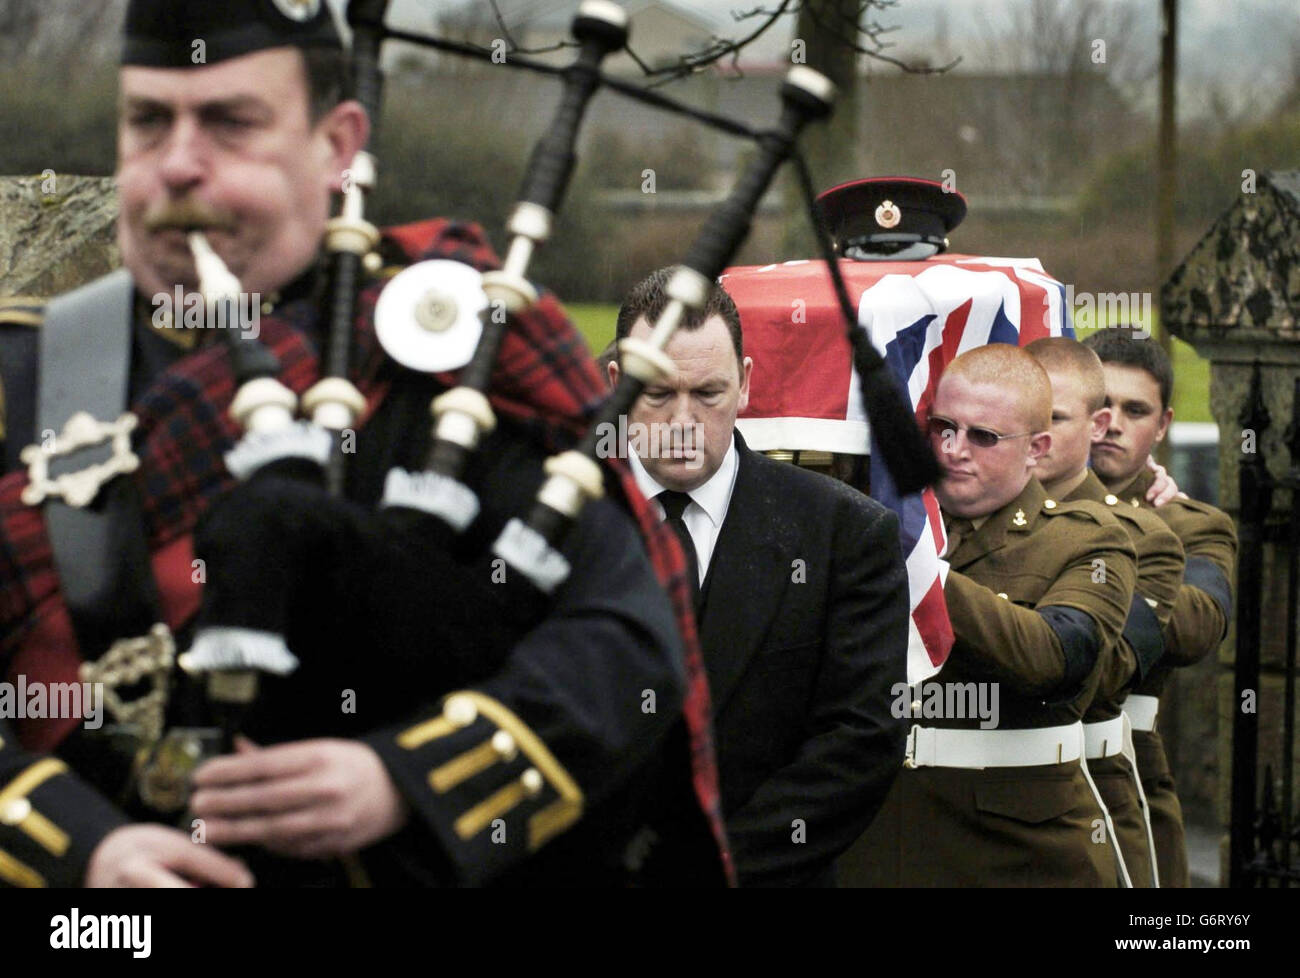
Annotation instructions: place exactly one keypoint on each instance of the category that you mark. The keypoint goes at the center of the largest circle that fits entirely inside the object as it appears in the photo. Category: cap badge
(888, 215)
(1019, 518)
(298, 10)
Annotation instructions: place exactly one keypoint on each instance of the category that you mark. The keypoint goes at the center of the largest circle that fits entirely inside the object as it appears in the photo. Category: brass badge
(888, 215)
(80, 432)
(1019, 518)
(166, 771)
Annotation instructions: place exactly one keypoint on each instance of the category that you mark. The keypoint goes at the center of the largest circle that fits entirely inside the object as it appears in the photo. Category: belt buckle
(79, 488)
(127, 661)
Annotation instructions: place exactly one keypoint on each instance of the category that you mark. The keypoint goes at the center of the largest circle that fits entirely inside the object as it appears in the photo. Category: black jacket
(804, 628)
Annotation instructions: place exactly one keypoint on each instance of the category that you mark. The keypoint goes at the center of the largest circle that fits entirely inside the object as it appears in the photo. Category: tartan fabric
(544, 379)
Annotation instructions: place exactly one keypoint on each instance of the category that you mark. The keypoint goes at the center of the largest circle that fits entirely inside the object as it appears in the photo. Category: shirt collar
(712, 497)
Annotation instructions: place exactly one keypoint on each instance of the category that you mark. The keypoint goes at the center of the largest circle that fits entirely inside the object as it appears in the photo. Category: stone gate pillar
(1235, 298)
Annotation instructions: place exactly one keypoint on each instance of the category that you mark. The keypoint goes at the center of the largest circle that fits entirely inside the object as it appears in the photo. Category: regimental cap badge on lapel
(1019, 518)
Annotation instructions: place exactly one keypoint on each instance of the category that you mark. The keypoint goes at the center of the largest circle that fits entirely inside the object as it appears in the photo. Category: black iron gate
(1264, 831)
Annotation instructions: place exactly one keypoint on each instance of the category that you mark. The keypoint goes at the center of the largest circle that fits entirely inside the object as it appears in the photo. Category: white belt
(1104, 738)
(1142, 711)
(938, 747)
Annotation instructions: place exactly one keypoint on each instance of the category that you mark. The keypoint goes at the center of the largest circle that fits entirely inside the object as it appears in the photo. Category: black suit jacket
(804, 629)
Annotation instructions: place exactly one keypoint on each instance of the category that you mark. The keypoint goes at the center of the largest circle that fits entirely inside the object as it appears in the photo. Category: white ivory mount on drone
(262, 406)
(430, 318)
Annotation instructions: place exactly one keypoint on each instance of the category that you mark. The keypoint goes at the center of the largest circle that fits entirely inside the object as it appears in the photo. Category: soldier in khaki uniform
(1079, 417)
(1038, 592)
(1139, 385)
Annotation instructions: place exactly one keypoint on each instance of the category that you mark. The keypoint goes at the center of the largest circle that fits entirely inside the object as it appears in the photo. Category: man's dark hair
(328, 79)
(1133, 348)
(648, 298)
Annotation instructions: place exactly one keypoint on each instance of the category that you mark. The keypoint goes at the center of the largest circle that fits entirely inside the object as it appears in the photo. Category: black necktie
(674, 504)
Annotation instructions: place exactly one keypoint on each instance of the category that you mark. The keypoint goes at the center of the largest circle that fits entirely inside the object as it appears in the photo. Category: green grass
(1191, 373)
(595, 321)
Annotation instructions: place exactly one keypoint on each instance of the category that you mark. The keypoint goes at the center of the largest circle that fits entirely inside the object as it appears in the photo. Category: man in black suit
(803, 606)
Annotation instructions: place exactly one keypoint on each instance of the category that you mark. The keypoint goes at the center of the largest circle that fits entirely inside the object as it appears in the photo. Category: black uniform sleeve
(50, 821)
(580, 704)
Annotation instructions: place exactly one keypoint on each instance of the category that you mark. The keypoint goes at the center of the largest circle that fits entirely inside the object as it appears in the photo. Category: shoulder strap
(85, 349)
(100, 551)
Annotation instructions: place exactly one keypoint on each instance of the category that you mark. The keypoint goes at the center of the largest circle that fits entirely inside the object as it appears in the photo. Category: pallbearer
(1139, 385)
(1038, 591)
(1080, 418)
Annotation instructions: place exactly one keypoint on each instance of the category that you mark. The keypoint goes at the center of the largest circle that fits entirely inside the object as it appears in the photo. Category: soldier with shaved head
(1080, 418)
(1037, 591)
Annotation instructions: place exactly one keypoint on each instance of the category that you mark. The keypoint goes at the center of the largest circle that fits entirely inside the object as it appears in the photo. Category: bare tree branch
(857, 28)
(720, 47)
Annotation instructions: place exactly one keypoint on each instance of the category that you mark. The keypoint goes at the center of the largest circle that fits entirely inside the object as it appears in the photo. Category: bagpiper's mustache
(187, 215)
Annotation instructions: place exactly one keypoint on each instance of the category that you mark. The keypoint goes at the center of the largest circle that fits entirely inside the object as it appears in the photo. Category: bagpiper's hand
(312, 799)
(1163, 487)
(155, 855)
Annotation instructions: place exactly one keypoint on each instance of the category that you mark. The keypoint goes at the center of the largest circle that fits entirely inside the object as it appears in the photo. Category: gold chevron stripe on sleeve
(494, 806)
(19, 874)
(529, 743)
(462, 767)
(422, 733)
(546, 824)
(14, 797)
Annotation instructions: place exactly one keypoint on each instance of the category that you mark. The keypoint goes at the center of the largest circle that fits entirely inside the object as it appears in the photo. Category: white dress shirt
(707, 509)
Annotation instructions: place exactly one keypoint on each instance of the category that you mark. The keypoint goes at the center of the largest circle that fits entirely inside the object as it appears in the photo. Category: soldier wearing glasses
(1037, 591)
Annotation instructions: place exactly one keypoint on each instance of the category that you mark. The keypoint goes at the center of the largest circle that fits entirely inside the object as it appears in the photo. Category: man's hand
(312, 799)
(155, 855)
(1163, 487)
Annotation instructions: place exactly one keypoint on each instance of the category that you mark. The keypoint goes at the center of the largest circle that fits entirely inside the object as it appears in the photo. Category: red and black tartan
(544, 379)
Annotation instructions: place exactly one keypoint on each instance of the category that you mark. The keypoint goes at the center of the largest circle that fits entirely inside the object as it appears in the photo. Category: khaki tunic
(1028, 826)
(1159, 577)
(1196, 628)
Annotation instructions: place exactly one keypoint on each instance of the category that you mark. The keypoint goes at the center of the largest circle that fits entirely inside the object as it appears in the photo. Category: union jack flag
(804, 393)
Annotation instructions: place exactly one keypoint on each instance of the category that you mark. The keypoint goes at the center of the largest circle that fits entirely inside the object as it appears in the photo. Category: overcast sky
(1244, 45)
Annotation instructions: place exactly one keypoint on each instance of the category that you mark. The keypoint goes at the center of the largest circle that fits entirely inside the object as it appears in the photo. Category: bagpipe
(306, 588)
